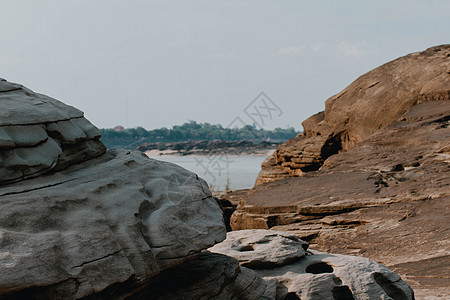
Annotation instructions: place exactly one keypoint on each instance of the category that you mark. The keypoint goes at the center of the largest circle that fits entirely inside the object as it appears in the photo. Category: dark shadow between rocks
(342, 292)
(246, 248)
(292, 296)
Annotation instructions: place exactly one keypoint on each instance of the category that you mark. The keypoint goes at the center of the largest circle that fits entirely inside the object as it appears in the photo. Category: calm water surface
(240, 170)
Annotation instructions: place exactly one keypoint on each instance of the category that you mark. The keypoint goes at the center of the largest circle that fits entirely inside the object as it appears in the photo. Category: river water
(240, 171)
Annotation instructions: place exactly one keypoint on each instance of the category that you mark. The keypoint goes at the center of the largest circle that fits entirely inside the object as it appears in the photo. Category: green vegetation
(191, 131)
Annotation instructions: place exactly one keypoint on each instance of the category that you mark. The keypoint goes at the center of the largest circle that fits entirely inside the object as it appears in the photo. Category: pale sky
(162, 63)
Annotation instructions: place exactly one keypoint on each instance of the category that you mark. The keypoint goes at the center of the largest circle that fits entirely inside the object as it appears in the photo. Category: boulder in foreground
(76, 221)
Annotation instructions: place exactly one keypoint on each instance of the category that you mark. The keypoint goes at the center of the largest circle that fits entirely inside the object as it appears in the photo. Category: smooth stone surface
(21, 106)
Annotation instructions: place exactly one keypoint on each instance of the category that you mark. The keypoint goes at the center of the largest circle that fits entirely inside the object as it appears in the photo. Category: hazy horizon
(162, 63)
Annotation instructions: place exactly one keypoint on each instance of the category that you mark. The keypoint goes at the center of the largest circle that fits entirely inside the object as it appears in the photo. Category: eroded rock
(389, 188)
(368, 104)
(39, 134)
(318, 276)
(256, 248)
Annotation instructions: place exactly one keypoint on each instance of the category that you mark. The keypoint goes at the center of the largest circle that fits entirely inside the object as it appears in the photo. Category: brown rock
(387, 196)
(371, 102)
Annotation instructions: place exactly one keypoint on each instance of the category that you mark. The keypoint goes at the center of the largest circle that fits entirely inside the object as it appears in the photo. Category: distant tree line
(191, 131)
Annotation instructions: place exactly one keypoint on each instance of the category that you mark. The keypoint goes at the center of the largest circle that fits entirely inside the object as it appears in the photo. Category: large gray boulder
(79, 222)
(76, 221)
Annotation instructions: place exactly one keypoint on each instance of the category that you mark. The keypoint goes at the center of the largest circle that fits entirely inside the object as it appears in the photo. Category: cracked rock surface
(387, 199)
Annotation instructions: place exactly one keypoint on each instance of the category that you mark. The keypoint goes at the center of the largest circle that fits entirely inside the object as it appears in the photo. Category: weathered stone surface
(21, 106)
(381, 155)
(333, 276)
(102, 227)
(316, 276)
(258, 248)
(39, 134)
(371, 102)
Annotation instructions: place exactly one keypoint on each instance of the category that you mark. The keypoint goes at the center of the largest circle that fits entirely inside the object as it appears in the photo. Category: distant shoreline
(205, 148)
(247, 152)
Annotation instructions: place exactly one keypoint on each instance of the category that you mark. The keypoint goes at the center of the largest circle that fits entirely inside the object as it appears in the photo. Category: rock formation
(386, 196)
(370, 103)
(311, 275)
(77, 222)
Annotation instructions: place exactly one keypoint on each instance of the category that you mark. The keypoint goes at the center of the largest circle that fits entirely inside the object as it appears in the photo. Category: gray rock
(208, 276)
(255, 248)
(332, 276)
(115, 220)
(39, 134)
(314, 276)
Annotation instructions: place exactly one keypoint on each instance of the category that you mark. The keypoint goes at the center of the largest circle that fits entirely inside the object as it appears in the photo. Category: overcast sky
(162, 63)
